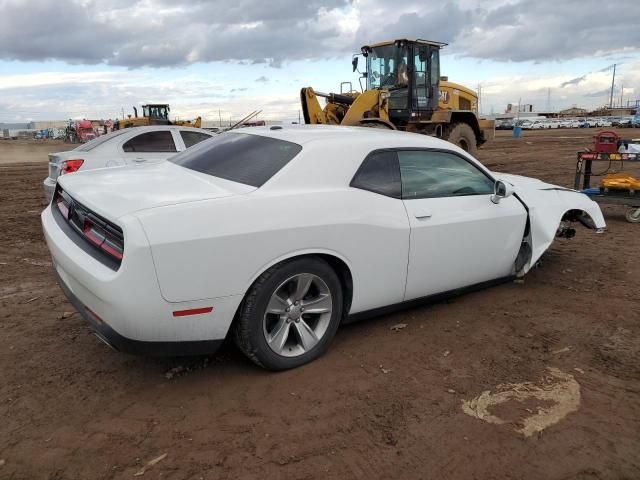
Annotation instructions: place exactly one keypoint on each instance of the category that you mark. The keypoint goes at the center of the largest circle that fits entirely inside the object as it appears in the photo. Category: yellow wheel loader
(404, 91)
(155, 114)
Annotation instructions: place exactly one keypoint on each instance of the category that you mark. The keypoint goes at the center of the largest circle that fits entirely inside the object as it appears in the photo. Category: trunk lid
(114, 192)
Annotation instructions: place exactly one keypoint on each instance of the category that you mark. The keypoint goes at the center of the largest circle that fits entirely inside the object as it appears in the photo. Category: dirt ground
(561, 350)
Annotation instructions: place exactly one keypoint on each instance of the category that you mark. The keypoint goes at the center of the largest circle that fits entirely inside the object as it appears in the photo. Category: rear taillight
(62, 204)
(70, 166)
(103, 239)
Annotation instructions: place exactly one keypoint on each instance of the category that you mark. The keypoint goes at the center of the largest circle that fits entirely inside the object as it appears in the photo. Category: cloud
(262, 79)
(169, 33)
(575, 81)
(550, 30)
(591, 90)
(46, 97)
(160, 33)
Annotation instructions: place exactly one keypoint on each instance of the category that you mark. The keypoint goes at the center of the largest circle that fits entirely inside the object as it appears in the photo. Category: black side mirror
(354, 63)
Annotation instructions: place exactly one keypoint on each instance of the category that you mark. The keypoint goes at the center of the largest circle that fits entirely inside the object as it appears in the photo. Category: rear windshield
(239, 157)
(99, 141)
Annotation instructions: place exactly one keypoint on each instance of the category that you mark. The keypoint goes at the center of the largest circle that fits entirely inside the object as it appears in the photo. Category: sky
(222, 59)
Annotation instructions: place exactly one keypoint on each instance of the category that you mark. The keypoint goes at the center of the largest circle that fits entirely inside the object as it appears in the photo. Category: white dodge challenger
(277, 235)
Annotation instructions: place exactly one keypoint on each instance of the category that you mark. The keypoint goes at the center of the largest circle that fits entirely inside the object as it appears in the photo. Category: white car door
(150, 146)
(459, 237)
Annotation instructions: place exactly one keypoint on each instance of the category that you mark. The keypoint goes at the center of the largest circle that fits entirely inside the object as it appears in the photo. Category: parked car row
(550, 123)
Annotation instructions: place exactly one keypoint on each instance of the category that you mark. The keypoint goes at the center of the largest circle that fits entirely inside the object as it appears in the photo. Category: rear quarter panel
(218, 248)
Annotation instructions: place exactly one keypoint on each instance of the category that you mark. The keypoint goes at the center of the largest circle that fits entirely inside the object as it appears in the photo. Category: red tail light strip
(64, 209)
(70, 166)
(193, 311)
(98, 236)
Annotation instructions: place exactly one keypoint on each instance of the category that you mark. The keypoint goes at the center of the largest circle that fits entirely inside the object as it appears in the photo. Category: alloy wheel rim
(297, 315)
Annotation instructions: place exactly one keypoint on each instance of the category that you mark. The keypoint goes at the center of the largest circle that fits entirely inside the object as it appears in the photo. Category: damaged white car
(277, 235)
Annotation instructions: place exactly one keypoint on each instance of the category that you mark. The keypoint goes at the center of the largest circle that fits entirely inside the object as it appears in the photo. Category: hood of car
(114, 192)
(528, 183)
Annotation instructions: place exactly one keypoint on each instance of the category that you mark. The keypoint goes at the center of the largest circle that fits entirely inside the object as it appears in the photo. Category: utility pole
(548, 100)
(480, 99)
(298, 116)
(219, 119)
(621, 94)
(613, 82)
(122, 113)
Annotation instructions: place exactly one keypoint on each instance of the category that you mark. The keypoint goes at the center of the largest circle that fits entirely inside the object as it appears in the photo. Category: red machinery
(84, 131)
(606, 142)
(617, 187)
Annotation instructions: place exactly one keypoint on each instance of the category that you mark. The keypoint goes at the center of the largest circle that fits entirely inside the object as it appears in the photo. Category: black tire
(462, 135)
(248, 331)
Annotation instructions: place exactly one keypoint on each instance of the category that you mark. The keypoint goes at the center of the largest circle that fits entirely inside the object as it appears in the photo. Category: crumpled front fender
(547, 207)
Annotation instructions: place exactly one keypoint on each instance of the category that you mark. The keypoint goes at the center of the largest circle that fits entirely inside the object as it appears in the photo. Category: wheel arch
(340, 265)
(579, 215)
(470, 119)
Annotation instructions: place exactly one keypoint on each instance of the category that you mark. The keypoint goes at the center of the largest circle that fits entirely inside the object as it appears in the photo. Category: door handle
(422, 215)
(138, 159)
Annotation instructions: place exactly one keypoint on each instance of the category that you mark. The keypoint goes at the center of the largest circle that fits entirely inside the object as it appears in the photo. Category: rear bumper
(125, 306)
(137, 347)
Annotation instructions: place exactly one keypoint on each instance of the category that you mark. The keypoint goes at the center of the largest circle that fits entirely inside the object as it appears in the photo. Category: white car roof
(163, 127)
(372, 138)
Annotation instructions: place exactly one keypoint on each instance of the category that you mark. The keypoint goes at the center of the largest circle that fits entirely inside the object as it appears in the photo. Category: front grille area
(100, 237)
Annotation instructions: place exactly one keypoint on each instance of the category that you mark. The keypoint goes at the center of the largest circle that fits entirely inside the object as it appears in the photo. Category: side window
(191, 138)
(420, 91)
(379, 173)
(159, 141)
(435, 67)
(429, 174)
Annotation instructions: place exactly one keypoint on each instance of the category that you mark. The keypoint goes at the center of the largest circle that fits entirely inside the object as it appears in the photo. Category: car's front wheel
(290, 314)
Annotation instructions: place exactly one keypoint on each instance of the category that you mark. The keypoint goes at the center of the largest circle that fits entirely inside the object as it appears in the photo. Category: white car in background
(538, 125)
(278, 235)
(129, 146)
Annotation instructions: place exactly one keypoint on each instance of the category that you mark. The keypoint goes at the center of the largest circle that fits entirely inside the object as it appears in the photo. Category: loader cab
(158, 114)
(410, 71)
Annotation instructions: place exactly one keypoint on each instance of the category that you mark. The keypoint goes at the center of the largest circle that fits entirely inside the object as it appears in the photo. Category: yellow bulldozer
(404, 91)
(155, 114)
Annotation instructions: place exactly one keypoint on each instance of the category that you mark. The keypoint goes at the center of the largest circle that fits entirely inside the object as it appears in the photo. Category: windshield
(99, 141)
(387, 67)
(239, 157)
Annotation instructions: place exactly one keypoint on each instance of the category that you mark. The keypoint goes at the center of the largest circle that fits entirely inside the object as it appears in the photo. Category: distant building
(522, 108)
(14, 126)
(615, 111)
(42, 125)
(572, 112)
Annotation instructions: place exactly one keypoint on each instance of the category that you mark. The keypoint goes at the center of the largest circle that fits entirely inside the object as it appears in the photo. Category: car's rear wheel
(290, 314)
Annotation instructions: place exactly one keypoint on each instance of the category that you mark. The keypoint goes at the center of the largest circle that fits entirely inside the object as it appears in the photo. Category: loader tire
(462, 135)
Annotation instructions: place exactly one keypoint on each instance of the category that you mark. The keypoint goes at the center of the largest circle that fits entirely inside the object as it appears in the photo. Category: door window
(420, 90)
(435, 67)
(191, 138)
(430, 174)
(379, 173)
(158, 141)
